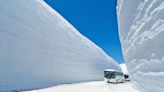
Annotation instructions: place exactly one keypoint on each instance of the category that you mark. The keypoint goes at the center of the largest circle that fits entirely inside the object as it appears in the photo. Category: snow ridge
(141, 29)
(39, 48)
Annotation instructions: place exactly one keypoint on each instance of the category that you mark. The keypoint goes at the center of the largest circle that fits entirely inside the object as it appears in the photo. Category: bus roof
(112, 70)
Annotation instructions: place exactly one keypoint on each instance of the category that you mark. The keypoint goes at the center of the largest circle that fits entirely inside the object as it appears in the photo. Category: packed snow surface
(141, 29)
(98, 86)
(39, 48)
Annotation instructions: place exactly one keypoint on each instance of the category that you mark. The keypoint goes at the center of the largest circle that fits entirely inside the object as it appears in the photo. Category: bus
(113, 76)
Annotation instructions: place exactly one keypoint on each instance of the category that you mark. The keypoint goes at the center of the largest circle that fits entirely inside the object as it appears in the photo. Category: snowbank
(141, 29)
(39, 48)
(124, 68)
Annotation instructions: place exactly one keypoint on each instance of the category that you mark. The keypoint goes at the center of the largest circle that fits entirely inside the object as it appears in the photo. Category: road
(97, 86)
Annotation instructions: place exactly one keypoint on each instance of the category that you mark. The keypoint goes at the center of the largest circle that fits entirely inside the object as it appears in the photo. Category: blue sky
(96, 19)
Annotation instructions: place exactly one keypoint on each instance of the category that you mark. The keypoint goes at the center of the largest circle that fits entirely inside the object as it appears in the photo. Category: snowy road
(98, 86)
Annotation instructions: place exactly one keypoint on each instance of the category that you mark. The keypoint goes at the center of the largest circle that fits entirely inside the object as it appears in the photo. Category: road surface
(98, 86)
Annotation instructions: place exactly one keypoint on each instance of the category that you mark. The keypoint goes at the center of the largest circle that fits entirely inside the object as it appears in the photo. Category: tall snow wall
(39, 48)
(141, 30)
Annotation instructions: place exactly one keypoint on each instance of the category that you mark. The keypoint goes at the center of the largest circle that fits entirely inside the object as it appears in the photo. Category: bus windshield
(109, 74)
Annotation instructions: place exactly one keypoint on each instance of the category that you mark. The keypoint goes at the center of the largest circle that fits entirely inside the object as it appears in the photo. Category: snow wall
(141, 30)
(39, 48)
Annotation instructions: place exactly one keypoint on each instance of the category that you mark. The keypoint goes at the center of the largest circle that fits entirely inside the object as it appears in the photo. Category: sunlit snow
(39, 48)
(141, 29)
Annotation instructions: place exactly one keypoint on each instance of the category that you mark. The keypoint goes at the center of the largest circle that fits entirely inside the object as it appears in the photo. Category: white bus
(113, 76)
